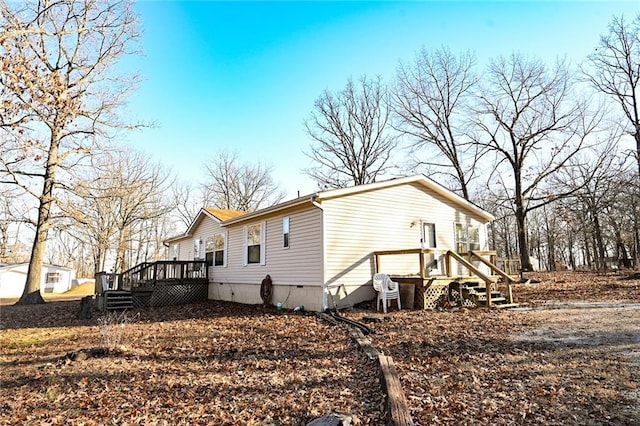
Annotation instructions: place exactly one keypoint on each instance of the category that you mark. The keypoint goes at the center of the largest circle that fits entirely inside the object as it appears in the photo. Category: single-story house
(13, 276)
(320, 247)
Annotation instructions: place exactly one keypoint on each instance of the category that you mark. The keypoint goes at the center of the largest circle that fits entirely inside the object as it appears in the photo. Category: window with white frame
(175, 251)
(215, 250)
(197, 249)
(428, 235)
(285, 232)
(53, 277)
(467, 237)
(254, 244)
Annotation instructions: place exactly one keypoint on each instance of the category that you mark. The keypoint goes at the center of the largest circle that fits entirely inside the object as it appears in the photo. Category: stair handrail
(464, 262)
(491, 266)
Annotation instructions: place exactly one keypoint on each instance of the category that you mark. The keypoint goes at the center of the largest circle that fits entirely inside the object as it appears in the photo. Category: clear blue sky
(243, 76)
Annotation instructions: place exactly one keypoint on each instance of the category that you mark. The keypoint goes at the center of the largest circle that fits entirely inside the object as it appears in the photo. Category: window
(254, 244)
(285, 232)
(175, 251)
(216, 250)
(467, 238)
(473, 233)
(53, 277)
(196, 249)
(428, 235)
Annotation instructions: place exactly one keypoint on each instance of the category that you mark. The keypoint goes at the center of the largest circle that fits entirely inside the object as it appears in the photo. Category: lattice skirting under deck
(432, 296)
(171, 294)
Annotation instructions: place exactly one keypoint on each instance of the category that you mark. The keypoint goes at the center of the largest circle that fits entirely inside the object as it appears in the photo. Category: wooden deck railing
(148, 273)
(419, 251)
(464, 260)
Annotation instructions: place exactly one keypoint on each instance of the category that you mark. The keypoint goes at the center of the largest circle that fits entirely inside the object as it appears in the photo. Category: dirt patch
(607, 330)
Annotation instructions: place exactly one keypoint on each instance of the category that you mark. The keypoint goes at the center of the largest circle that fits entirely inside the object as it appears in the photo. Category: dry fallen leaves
(229, 364)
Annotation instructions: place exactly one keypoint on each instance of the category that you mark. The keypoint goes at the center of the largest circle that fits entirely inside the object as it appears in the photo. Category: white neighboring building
(55, 279)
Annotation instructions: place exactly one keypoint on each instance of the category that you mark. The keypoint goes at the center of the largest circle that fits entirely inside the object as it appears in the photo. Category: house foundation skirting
(290, 296)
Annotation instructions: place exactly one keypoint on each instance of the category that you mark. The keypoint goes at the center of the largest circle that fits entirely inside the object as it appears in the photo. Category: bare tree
(595, 175)
(533, 125)
(230, 184)
(139, 188)
(12, 217)
(187, 201)
(59, 96)
(615, 71)
(429, 102)
(114, 206)
(350, 133)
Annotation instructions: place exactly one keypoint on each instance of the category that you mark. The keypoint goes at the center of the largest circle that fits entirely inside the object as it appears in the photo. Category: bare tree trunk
(121, 250)
(636, 246)
(551, 247)
(525, 261)
(31, 294)
(571, 247)
(587, 250)
(600, 261)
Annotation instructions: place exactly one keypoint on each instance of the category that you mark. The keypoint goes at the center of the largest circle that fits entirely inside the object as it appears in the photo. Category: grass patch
(24, 338)
(82, 290)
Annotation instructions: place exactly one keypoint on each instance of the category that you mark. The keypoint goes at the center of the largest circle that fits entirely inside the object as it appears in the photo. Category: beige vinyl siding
(300, 264)
(185, 251)
(385, 219)
(208, 227)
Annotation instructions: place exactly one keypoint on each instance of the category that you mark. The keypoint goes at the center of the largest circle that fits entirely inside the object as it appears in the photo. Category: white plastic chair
(387, 291)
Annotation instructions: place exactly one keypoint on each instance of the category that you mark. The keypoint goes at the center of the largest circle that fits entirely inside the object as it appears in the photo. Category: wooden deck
(428, 290)
(157, 283)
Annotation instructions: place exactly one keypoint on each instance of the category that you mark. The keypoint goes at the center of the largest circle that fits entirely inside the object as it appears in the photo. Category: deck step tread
(506, 305)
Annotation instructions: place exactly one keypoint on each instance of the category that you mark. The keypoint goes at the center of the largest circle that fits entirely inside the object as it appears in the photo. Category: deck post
(487, 286)
(423, 272)
(447, 264)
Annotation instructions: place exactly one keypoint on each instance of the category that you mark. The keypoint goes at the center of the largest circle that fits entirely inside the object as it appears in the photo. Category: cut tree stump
(86, 307)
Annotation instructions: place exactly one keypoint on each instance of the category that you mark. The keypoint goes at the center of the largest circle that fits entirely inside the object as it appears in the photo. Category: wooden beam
(396, 402)
(468, 265)
(492, 266)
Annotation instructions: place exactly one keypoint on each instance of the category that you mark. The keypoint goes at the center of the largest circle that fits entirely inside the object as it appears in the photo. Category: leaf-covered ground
(207, 363)
(571, 356)
(571, 360)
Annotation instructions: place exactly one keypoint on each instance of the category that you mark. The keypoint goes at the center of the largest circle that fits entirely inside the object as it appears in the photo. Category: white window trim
(263, 248)
(426, 244)
(286, 233)
(198, 248)
(225, 236)
(466, 227)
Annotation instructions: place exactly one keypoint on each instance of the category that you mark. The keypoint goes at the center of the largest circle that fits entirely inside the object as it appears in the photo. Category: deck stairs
(117, 300)
(477, 293)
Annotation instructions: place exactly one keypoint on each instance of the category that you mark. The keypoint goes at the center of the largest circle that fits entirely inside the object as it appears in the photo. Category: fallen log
(397, 406)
